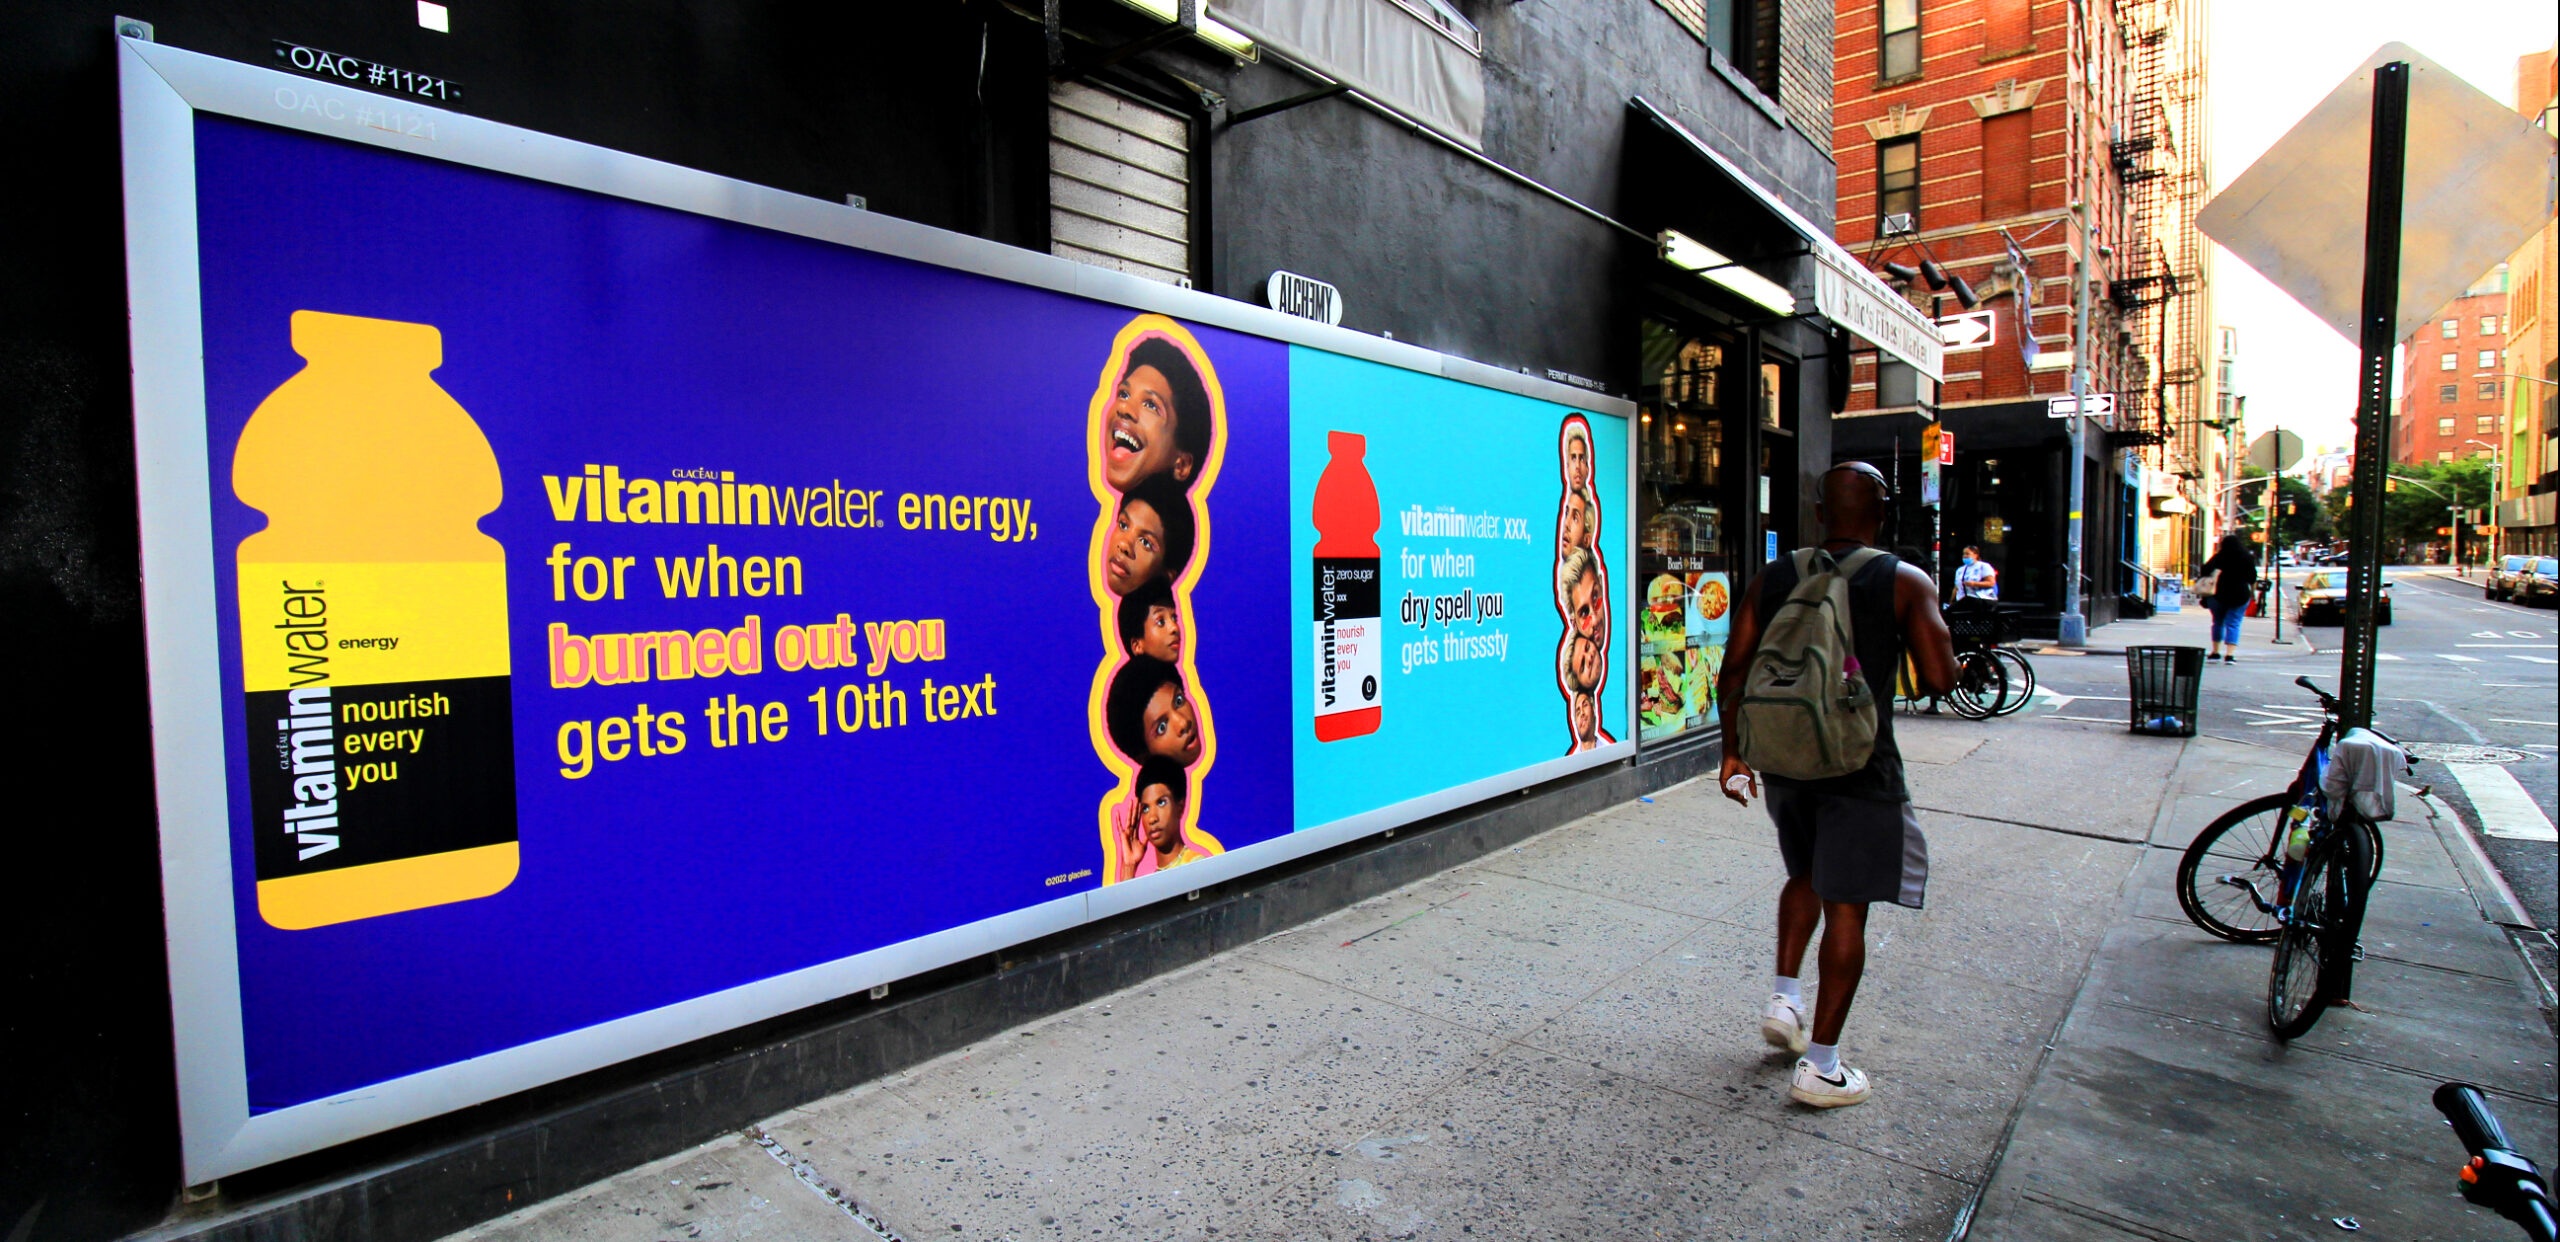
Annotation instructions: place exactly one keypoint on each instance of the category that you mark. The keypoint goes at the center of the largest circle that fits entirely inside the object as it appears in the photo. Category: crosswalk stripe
(2384, 655)
(2535, 659)
(2458, 659)
(2505, 809)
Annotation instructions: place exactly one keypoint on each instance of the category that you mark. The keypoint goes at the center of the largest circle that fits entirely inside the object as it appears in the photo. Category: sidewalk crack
(810, 1177)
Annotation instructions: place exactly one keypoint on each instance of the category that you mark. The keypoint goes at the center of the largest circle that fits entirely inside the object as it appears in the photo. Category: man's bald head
(1852, 505)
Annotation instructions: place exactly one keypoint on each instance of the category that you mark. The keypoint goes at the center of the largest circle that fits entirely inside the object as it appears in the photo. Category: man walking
(1847, 841)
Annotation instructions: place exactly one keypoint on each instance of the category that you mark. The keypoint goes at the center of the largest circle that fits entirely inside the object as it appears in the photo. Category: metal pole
(2381, 308)
(2074, 627)
(2275, 540)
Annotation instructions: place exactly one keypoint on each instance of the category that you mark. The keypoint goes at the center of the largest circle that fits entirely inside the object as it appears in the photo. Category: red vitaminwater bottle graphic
(1350, 641)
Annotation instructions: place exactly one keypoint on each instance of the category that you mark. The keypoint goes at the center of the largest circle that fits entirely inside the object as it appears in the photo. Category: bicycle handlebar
(2327, 701)
(2498, 1177)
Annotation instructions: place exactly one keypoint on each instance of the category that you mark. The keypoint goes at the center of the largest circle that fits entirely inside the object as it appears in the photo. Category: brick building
(2452, 389)
(2531, 483)
(1996, 142)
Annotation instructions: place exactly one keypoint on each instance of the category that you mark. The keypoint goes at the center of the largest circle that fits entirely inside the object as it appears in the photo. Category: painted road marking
(2457, 658)
(2507, 646)
(2548, 724)
(2384, 655)
(2535, 659)
(2504, 807)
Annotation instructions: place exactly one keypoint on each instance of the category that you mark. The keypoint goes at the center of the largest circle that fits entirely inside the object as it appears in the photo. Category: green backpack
(1807, 712)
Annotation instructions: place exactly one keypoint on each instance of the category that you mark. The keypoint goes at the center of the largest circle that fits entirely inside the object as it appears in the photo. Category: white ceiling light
(1691, 255)
(1225, 37)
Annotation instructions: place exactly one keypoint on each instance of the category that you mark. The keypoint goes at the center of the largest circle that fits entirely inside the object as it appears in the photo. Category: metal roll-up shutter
(1119, 183)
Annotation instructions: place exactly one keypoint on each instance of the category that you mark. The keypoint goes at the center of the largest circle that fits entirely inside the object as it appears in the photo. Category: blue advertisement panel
(1495, 634)
(620, 622)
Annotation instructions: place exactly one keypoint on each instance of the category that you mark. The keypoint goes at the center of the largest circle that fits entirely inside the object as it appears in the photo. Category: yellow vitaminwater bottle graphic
(373, 634)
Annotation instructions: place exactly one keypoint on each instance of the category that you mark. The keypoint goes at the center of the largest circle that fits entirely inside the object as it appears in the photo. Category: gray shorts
(1852, 849)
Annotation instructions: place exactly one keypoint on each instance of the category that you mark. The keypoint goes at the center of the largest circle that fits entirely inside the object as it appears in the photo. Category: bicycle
(2319, 866)
(2499, 1177)
(1993, 678)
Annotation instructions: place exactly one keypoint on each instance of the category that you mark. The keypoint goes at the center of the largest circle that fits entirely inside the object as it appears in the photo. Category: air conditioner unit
(1895, 225)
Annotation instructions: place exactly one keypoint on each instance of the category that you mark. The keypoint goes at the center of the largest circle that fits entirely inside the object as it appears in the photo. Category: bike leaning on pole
(2291, 869)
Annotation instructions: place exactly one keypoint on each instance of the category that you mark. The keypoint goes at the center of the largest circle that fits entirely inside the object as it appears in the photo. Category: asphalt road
(2453, 668)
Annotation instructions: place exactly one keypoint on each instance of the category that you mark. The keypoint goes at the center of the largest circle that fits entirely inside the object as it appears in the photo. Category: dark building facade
(1494, 182)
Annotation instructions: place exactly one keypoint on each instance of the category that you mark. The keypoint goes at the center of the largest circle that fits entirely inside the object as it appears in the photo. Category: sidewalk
(1558, 1041)
(2166, 1111)
(2188, 627)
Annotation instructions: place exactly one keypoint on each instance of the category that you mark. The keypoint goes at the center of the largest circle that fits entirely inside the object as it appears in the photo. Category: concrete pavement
(1558, 1041)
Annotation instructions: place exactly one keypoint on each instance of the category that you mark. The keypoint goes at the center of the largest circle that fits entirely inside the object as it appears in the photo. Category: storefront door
(1692, 544)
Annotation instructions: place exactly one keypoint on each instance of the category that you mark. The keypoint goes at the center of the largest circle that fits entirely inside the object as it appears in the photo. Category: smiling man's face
(1586, 662)
(1138, 433)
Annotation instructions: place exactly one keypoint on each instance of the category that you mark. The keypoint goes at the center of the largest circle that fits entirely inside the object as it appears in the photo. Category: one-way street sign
(1966, 330)
(2101, 405)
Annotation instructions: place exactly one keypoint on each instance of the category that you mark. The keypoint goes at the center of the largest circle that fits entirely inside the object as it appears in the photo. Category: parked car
(2540, 582)
(2501, 582)
(2322, 599)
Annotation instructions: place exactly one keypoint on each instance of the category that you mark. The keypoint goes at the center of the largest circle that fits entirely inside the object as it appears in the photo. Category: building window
(2451, 329)
(1898, 26)
(2004, 164)
(2447, 392)
(1898, 180)
(1754, 48)
(2488, 390)
(2488, 360)
(2444, 426)
(2488, 325)
(2488, 424)
(2445, 362)
(2446, 455)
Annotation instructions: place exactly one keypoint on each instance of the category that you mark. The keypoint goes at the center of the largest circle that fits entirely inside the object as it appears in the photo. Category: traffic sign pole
(2375, 323)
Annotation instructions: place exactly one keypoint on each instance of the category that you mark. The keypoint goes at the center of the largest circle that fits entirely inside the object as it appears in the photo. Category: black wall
(935, 112)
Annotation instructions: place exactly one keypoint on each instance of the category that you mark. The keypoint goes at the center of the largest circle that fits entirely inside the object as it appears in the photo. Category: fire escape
(2158, 290)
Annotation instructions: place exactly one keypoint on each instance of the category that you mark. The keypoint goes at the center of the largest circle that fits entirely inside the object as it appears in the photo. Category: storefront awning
(1418, 57)
(1844, 291)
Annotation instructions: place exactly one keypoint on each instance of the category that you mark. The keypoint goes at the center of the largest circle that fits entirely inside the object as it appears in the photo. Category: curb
(2489, 890)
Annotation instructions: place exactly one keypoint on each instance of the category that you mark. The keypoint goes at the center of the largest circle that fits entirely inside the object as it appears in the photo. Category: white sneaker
(1847, 1087)
(1783, 1022)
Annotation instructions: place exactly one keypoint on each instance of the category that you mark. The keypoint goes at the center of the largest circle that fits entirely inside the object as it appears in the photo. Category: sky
(2270, 61)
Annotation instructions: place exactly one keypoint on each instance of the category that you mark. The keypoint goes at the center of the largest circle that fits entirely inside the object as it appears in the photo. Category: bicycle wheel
(1979, 685)
(2240, 844)
(2314, 959)
(2372, 834)
(2022, 679)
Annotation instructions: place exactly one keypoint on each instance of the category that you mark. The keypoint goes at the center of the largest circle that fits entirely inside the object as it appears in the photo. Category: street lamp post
(2497, 481)
(2073, 626)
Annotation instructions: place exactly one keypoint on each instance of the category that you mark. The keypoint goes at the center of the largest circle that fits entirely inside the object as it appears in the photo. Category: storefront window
(1687, 541)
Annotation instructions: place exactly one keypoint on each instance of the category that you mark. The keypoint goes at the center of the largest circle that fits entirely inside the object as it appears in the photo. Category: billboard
(593, 605)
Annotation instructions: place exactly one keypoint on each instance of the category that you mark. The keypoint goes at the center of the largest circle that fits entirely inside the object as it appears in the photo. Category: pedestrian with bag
(2228, 580)
(1807, 694)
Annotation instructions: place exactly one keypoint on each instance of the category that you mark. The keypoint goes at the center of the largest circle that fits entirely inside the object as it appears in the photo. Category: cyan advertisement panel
(627, 621)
